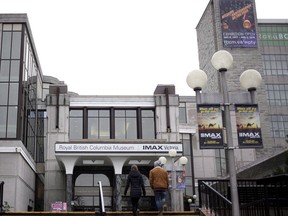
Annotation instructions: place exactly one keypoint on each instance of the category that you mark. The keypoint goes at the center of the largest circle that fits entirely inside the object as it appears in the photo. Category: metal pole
(230, 147)
(173, 176)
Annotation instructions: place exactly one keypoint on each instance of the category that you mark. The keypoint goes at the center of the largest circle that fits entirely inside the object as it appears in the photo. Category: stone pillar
(117, 197)
(69, 191)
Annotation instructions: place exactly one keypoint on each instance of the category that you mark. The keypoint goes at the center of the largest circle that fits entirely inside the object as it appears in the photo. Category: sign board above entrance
(117, 147)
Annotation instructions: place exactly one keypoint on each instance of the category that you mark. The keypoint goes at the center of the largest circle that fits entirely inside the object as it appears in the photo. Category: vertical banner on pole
(248, 126)
(210, 126)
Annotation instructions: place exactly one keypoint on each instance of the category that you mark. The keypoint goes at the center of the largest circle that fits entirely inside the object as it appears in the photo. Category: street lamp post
(250, 79)
(177, 204)
(172, 154)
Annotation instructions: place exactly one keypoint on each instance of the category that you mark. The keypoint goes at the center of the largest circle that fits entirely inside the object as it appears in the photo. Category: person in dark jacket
(136, 184)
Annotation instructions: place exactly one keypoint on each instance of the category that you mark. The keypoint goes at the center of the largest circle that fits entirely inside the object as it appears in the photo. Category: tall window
(9, 78)
(76, 124)
(98, 124)
(41, 135)
(182, 113)
(125, 124)
(148, 126)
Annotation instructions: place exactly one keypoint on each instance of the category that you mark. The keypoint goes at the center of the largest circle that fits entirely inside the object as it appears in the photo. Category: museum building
(56, 145)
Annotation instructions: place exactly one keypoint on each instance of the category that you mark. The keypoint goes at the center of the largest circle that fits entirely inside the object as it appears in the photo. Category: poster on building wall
(238, 23)
(248, 126)
(210, 126)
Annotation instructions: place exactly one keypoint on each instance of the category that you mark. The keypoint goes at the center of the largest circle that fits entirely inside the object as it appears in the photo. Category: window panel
(93, 128)
(76, 128)
(4, 93)
(104, 128)
(99, 124)
(4, 70)
(120, 128)
(16, 45)
(131, 128)
(6, 45)
(3, 121)
(148, 124)
(15, 70)
(182, 115)
(148, 128)
(12, 122)
(13, 94)
(84, 180)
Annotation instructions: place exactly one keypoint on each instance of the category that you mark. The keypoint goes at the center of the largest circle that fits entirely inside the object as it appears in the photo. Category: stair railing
(213, 201)
(101, 200)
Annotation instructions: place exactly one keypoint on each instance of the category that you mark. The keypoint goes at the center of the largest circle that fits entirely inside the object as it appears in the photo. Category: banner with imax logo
(210, 126)
(248, 126)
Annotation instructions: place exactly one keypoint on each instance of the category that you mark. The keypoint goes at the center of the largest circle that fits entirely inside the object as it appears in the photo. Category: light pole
(172, 154)
(250, 79)
(193, 202)
(183, 161)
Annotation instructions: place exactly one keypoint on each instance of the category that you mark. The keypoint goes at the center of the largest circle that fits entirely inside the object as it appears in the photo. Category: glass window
(279, 125)
(148, 124)
(3, 121)
(99, 124)
(182, 113)
(13, 94)
(12, 122)
(4, 70)
(15, 69)
(76, 124)
(6, 45)
(16, 45)
(125, 124)
(4, 93)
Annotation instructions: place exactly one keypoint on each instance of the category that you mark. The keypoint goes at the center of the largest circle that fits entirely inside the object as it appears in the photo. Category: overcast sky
(120, 47)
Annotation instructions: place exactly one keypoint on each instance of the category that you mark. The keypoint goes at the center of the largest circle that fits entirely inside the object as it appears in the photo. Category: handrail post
(101, 200)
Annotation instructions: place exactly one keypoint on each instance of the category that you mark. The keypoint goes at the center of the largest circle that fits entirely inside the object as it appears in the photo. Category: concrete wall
(55, 181)
(18, 173)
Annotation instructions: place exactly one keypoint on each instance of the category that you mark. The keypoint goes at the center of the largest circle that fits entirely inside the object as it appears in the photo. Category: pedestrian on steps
(136, 183)
(159, 182)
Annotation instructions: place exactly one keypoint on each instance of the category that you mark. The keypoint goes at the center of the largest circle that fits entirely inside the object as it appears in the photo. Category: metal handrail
(1, 195)
(101, 199)
(261, 197)
(217, 193)
(214, 201)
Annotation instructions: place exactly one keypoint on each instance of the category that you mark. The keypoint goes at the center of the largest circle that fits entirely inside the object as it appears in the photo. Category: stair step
(153, 213)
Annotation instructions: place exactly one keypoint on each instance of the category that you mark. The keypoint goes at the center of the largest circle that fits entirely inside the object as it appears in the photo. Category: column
(117, 197)
(69, 191)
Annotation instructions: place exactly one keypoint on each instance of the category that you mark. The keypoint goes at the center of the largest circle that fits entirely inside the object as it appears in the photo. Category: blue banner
(238, 23)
